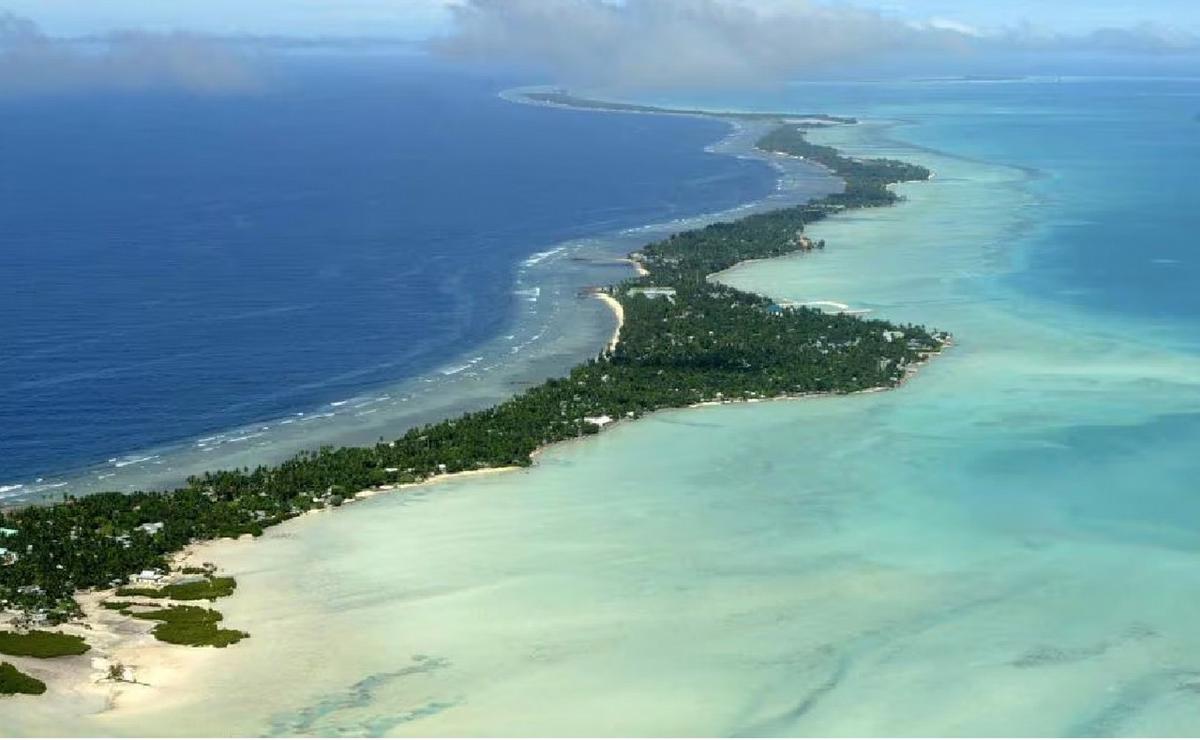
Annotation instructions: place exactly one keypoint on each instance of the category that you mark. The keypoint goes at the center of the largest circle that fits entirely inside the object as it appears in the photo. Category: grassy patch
(192, 625)
(209, 588)
(38, 644)
(13, 681)
(149, 593)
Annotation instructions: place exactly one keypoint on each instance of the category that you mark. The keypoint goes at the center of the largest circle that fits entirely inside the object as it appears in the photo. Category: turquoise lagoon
(1006, 545)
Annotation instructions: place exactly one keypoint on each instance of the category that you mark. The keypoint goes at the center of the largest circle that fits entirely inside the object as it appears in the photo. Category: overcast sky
(597, 44)
(416, 19)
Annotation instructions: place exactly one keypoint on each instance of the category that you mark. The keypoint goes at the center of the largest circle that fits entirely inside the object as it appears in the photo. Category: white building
(599, 421)
(151, 528)
(653, 291)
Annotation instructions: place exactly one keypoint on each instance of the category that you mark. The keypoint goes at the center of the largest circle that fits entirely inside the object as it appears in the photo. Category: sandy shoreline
(638, 267)
(618, 311)
(149, 668)
(152, 670)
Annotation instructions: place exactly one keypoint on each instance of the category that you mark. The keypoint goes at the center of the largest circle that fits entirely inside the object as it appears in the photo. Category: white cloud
(706, 43)
(949, 24)
(30, 61)
(683, 43)
(409, 19)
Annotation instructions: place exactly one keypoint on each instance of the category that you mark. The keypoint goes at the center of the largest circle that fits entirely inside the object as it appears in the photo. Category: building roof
(651, 291)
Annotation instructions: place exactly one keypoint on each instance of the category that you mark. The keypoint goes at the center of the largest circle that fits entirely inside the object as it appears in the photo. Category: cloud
(949, 24)
(32, 62)
(1144, 38)
(680, 43)
(648, 44)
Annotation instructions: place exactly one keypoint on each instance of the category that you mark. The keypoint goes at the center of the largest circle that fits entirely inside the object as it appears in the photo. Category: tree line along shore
(685, 340)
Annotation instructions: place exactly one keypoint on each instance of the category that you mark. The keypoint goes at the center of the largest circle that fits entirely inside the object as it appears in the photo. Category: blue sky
(417, 19)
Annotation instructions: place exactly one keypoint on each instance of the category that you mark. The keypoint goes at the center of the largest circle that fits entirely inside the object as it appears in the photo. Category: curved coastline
(161, 662)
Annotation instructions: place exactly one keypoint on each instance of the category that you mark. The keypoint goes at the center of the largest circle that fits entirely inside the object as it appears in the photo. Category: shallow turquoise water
(1006, 545)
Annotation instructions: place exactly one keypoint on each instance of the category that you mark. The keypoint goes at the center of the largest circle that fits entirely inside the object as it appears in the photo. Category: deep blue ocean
(176, 265)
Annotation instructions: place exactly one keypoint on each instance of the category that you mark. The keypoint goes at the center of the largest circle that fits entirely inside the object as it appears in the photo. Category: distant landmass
(975, 78)
(564, 98)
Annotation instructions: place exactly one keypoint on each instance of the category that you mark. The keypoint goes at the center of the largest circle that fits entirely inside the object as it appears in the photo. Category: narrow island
(683, 340)
(564, 99)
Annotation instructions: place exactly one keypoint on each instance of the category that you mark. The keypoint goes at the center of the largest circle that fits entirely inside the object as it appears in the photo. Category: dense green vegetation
(191, 625)
(209, 588)
(561, 97)
(140, 591)
(13, 681)
(865, 178)
(696, 341)
(39, 644)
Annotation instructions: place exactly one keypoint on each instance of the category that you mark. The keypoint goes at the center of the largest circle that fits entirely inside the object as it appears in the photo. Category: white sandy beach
(619, 312)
